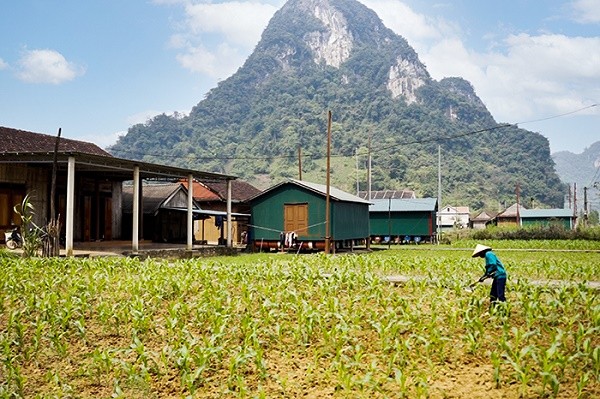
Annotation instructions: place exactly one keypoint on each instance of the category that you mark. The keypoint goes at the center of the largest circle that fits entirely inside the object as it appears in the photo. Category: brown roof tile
(15, 141)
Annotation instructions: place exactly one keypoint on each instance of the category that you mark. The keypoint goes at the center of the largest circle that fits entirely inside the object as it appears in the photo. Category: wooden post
(70, 206)
(327, 199)
(52, 242)
(229, 226)
(190, 215)
(135, 239)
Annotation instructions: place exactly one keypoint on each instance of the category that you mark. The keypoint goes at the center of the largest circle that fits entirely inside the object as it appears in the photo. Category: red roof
(16, 141)
(217, 191)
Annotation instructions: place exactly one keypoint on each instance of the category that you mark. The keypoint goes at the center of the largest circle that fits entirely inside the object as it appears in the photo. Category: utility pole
(575, 201)
(585, 207)
(299, 163)
(327, 199)
(369, 168)
(357, 178)
(518, 205)
(439, 216)
(389, 222)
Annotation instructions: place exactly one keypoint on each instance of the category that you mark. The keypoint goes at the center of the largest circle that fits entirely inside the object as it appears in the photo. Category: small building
(510, 216)
(548, 217)
(482, 220)
(403, 220)
(293, 212)
(212, 196)
(454, 217)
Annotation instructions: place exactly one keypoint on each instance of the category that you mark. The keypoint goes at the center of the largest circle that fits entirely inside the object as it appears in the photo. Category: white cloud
(218, 63)
(46, 66)
(532, 75)
(586, 11)
(3, 65)
(414, 27)
(215, 38)
(238, 22)
(522, 77)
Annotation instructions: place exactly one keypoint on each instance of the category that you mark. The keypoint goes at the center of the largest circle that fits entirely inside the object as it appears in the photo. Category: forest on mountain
(253, 124)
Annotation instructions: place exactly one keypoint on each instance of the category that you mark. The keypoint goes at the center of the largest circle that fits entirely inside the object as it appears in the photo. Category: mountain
(321, 55)
(582, 169)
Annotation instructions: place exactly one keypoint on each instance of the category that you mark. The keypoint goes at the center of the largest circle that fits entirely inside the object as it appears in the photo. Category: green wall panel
(402, 223)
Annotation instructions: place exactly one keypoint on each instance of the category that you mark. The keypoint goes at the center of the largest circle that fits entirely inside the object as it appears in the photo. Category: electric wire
(373, 150)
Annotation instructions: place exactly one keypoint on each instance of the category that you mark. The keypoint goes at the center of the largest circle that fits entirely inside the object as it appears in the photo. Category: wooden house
(510, 217)
(88, 184)
(482, 220)
(299, 207)
(403, 220)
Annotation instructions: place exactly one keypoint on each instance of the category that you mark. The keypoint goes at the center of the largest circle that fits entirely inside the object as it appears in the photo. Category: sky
(96, 67)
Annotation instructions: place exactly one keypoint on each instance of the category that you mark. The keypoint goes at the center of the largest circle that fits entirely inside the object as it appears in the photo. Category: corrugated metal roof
(387, 194)
(404, 205)
(333, 192)
(546, 213)
(155, 196)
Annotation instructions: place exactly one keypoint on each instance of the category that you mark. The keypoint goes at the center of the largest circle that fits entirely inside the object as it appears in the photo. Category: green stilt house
(291, 215)
(402, 220)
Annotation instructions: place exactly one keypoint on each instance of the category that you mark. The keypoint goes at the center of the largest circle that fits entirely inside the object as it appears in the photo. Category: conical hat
(479, 249)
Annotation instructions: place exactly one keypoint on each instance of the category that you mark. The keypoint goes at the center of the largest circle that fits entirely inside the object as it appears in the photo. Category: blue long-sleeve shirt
(493, 266)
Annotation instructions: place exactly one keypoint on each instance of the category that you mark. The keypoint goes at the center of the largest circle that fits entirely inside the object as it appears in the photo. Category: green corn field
(312, 326)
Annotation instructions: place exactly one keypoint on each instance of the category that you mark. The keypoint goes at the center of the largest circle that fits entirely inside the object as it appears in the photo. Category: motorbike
(13, 239)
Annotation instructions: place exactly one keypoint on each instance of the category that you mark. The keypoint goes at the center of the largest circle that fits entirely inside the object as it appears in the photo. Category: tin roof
(155, 196)
(404, 205)
(387, 194)
(321, 189)
(546, 213)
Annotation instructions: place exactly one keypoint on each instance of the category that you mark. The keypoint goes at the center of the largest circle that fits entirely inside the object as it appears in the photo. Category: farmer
(493, 269)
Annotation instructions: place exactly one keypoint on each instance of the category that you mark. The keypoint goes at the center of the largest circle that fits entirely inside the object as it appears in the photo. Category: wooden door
(295, 218)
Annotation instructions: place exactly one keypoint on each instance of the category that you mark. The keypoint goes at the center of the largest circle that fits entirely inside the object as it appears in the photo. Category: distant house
(88, 184)
(548, 217)
(212, 196)
(510, 216)
(482, 220)
(299, 207)
(454, 217)
(387, 194)
(400, 218)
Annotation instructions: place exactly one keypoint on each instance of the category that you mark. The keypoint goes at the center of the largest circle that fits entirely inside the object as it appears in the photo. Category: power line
(558, 116)
(384, 148)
